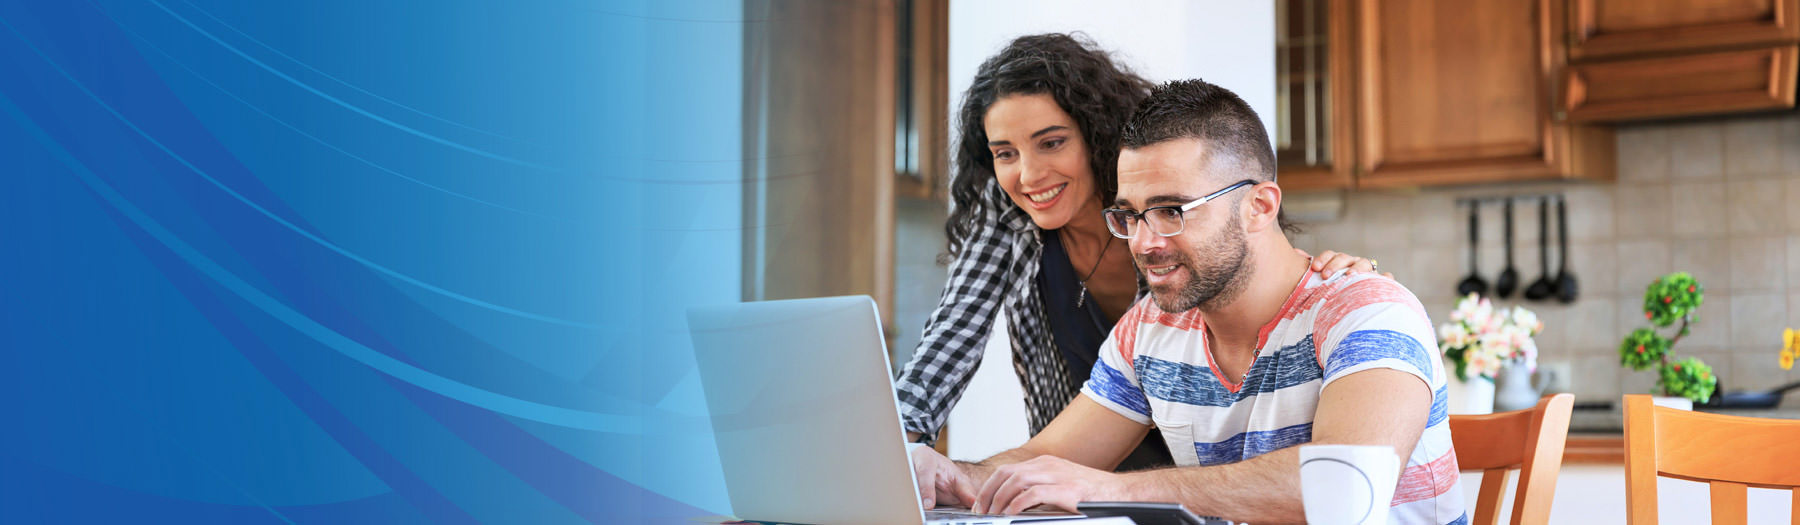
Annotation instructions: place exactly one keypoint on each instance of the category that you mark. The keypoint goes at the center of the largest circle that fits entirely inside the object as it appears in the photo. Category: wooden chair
(1730, 453)
(1529, 440)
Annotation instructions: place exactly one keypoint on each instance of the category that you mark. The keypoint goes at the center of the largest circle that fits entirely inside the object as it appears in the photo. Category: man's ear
(1262, 207)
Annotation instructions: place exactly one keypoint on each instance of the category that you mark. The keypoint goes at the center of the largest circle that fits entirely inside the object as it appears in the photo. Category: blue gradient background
(345, 261)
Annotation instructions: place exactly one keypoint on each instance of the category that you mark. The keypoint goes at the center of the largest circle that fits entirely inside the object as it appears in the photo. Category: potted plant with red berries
(1683, 382)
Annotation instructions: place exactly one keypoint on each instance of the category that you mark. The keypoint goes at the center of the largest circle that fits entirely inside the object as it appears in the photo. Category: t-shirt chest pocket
(1179, 435)
(1180, 396)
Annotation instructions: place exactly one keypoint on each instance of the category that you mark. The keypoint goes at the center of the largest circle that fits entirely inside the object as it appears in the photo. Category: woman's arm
(958, 328)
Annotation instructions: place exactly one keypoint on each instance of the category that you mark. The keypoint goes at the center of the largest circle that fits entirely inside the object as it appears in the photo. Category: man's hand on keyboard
(940, 480)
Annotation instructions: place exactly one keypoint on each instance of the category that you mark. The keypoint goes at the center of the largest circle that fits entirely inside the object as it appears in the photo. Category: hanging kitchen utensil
(1566, 289)
(1508, 281)
(1473, 284)
(1543, 288)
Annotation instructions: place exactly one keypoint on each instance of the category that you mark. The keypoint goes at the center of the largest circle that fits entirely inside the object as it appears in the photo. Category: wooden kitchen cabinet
(1615, 28)
(1641, 59)
(1429, 92)
(1464, 92)
(1682, 85)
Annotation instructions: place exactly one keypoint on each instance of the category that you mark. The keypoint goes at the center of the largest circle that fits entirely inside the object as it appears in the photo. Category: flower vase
(1514, 389)
(1471, 396)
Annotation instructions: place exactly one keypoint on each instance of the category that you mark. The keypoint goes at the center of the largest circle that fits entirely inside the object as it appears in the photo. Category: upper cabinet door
(1641, 59)
(1461, 92)
(1314, 149)
(1681, 85)
(1609, 28)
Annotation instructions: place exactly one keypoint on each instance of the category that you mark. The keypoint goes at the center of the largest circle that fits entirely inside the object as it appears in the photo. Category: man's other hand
(1045, 480)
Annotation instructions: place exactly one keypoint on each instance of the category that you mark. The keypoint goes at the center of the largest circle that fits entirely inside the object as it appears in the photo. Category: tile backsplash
(1718, 198)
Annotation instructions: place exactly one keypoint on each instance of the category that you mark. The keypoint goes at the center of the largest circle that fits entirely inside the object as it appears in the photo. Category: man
(1239, 353)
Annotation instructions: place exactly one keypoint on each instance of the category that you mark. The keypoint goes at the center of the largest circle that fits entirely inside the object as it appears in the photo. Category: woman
(1036, 163)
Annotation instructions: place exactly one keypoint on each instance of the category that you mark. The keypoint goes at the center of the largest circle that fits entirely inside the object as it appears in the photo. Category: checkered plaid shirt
(996, 271)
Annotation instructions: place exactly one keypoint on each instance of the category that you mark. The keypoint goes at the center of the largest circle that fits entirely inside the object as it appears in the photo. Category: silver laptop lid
(803, 409)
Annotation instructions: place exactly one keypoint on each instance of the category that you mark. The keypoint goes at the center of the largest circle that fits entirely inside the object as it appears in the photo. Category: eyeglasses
(1167, 221)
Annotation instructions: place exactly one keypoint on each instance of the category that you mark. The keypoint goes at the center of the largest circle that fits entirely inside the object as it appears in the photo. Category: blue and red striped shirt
(1156, 369)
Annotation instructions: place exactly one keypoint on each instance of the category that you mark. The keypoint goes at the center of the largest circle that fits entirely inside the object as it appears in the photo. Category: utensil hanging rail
(1501, 199)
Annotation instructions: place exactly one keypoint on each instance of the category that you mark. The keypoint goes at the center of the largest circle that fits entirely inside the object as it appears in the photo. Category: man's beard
(1212, 281)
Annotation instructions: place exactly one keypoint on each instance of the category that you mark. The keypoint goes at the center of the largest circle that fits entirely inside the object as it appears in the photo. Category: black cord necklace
(1081, 297)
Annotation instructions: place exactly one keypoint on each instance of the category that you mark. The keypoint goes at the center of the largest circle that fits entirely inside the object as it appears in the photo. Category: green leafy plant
(1671, 298)
(1689, 378)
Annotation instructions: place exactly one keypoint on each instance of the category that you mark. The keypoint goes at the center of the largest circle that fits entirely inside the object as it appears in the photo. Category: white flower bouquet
(1481, 340)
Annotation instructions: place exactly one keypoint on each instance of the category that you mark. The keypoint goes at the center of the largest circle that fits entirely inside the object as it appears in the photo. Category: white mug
(1348, 484)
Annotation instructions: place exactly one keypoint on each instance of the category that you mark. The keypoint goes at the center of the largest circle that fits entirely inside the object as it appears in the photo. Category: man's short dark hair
(1197, 109)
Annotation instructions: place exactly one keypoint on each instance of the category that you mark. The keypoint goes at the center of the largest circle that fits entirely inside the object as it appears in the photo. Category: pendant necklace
(1081, 297)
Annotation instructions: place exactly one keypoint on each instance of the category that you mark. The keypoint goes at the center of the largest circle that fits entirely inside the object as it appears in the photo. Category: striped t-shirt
(1155, 368)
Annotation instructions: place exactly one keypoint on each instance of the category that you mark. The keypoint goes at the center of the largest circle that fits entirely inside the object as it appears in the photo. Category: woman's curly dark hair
(1097, 92)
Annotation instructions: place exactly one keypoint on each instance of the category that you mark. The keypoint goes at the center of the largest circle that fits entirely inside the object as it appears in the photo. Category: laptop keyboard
(957, 514)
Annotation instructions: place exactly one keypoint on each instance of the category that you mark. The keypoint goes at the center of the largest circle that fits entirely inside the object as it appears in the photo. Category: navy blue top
(1077, 332)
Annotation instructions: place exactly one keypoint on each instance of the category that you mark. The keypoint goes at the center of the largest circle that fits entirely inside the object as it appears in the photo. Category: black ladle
(1543, 288)
(1508, 281)
(1566, 289)
(1473, 284)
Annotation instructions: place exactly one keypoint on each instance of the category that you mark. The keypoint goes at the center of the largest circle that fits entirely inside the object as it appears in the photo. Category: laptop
(804, 413)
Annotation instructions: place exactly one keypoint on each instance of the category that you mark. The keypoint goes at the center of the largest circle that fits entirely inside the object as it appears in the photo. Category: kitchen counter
(1596, 436)
(1612, 421)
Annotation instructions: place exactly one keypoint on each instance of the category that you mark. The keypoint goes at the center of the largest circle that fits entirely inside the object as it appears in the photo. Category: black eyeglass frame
(1129, 217)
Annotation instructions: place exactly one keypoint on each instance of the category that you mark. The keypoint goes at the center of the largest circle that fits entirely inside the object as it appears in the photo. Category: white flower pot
(1475, 396)
(1678, 403)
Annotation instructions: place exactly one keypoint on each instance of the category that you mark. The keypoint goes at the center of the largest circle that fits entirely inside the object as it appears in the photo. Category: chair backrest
(1529, 440)
(1730, 453)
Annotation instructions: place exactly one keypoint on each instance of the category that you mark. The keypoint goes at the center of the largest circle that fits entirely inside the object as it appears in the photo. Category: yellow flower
(1787, 360)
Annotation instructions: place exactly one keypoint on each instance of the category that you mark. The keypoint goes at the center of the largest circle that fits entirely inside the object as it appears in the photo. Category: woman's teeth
(1046, 195)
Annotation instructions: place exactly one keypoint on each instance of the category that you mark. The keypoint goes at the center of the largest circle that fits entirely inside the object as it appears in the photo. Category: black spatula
(1508, 281)
(1473, 284)
(1543, 288)
(1566, 289)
